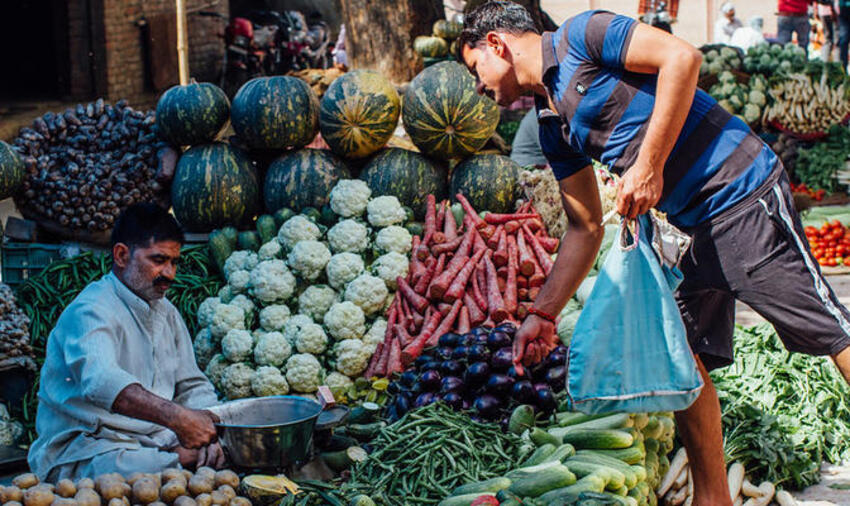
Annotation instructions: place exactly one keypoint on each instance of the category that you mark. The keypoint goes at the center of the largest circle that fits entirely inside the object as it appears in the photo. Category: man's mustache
(162, 280)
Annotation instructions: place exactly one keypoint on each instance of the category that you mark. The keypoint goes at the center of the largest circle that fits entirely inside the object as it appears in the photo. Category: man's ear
(496, 42)
(121, 255)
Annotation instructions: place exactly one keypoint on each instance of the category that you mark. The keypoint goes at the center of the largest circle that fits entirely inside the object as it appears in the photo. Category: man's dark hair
(494, 16)
(143, 223)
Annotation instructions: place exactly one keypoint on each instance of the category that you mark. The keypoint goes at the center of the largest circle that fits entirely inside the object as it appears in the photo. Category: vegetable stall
(329, 264)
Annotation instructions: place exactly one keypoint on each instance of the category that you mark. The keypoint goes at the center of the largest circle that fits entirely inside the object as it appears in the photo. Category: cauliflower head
(345, 320)
(269, 250)
(273, 317)
(390, 266)
(303, 372)
(215, 368)
(352, 357)
(311, 339)
(239, 281)
(236, 380)
(236, 345)
(309, 258)
(293, 327)
(368, 292)
(348, 236)
(225, 318)
(225, 294)
(205, 347)
(296, 229)
(272, 349)
(394, 238)
(316, 300)
(246, 304)
(242, 260)
(206, 310)
(269, 381)
(375, 334)
(342, 268)
(271, 281)
(384, 211)
(338, 381)
(350, 197)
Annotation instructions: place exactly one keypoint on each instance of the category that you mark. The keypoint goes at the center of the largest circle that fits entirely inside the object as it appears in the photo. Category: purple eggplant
(460, 353)
(444, 353)
(451, 368)
(466, 404)
(487, 406)
(430, 366)
(478, 353)
(498, 339)
(453, 400)
(516, 374)
(451, 384)
(502, 359)
(523, 392)
(499, 384)
(507, 327)
(538, 372)
(556, 378)
(546, 401)
(555, 360)
(422, 360)
(424, 399)
(430, 381)
(401, 405)
(476, 374)
(449, 339)
(407, 379)
(468, 339)
(480, 330)
(481, 340)
(393, 388)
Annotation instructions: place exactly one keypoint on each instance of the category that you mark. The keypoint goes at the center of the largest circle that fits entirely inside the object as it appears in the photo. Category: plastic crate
(19, 261)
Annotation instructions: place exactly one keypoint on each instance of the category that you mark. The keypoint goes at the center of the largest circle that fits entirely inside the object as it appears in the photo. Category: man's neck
(527, 56)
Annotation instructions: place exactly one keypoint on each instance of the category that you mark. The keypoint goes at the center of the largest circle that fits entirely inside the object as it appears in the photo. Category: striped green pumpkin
(359, 113)
(12, 170)
(430, 47)
(214, 186)
(449, 30)
(407, 175)
(302, 178)
(489, 182)
(444, 115)
(192, 114)
(277, 112)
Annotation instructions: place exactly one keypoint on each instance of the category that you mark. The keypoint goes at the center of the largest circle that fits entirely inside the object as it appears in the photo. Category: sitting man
(120, 389)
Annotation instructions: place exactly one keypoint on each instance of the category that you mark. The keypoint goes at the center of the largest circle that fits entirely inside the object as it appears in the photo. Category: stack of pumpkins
(215, 183)
(440, 43)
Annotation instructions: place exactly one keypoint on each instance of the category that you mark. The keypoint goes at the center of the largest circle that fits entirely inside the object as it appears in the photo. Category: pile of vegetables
(14, 327)
(172, 486)
(774, 58)
(463, 273)
(11, 430)
(830, 243)
(441, 41)
(786, 148)
(817, 166)
(475, 371)
(743, 100)
(809, 101)
(717, 58)
(88, 163)
(783, 413)
(301, 298)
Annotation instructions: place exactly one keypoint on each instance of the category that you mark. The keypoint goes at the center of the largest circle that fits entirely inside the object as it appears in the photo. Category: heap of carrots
(485, 271)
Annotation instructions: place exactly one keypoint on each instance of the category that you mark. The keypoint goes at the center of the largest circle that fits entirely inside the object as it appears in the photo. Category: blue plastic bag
(629, 351)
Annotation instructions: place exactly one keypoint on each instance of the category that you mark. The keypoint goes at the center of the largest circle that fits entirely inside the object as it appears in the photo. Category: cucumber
(631, 478)
(504, 495)
(361, 500)
(415, 227)
(327, 216)
(622, 491)
(312, 214)
(653, 428)
(601, 439)
(669, 427)
(524, 472)
(614, 479)
(553, 477)
(522, 418)
(248, 240)
(561, 453)
(618, 421)
(540, 437)
(640, 472)
(651, 445)
(540, 455)
(458, 213)
(573, 417)
(364, 413)
(232, 235)
(343, 459)
(591, 483)
(631, 455)
(462, 500)
(492, 485)
(365, 432)
(266, 228)
(640, 420)
(605, 499)
(281, 215)
(220, 248)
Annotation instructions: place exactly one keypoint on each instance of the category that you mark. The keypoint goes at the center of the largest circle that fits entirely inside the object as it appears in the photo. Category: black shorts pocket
(768, 235)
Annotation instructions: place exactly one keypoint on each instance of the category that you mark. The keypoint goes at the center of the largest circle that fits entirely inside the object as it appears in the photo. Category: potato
(66, 488)
(38, 496)
(219, 497)
(133, 478)
(145, 491)
(199, 484)
(171, 473)
(85, 483)
(184, 500)
(207, 472)
(187, 474)
(63, 501)
(227, 477)
(11, 494)
(119, 501)
(156, 478)
(25, 481)
(228, 491)
(157, 503)
(171, 491)
(87, 497)
(204, 500)
(240, 501)
(114, 490)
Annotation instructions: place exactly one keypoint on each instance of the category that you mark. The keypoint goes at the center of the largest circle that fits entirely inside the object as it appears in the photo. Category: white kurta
(106, 339)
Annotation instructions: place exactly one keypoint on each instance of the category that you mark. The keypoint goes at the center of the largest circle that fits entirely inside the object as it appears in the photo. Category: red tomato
(822, 261)
(831, 262)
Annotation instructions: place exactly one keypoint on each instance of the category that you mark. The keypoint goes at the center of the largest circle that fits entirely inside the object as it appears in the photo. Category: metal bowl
(267, 432)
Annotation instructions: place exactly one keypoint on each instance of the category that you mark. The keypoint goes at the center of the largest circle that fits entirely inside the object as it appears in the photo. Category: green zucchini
(540, 455)
(364, 413)
(504, 495)
(653, 428)
(492, 485)
(522, 418)
(220, 248)
(618, 421)
(640, 472)
(622, 491)
(231, 234)
(561, 453)
(631, 478)
(408, 213)
(312, 214)
(614, 479)
(565, 495)
(550, 478)
(602, 439)
(266, 228)
(281, 215)
(248, 240)
(462, 500)
(605, 499)
(631, 455)
(540, 437)
(651, 445)
(458, 213)
(573, 417)
(415, 227)
(526, 471)
(343, 459)
(365, 432)
(640, 420)
(669, 427)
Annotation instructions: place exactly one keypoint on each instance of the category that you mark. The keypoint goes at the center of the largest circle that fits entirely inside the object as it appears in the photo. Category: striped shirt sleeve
(563, 158)
(601, 37)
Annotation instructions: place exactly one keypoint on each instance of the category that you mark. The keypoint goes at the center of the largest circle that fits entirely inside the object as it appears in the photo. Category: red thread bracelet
(541, 314)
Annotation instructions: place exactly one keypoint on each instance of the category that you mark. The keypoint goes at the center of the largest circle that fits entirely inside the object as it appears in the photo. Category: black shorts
(757, 252)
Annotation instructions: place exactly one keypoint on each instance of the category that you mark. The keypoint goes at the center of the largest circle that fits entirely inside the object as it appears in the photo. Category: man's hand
(639, 190)
(210, 456)
(195, 429)
(534, 340)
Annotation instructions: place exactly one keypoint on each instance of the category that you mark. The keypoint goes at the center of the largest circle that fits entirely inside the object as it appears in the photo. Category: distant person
(525, 149)
(843, 7)
(750, 35)
(793, 17)
(825, 11)
(726, 24)
(338, 52)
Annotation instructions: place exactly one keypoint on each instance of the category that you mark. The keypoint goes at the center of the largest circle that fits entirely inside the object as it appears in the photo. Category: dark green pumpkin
(489, 182)
(277, 112)
(359, 113)
(192, 114)
(302, 178)
(407, 175)
(444, 115)
(430, 47)
(12, 170)
(448, 30)
(214, 186)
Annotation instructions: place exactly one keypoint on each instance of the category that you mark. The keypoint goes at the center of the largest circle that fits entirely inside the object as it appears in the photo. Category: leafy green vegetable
(816, 167)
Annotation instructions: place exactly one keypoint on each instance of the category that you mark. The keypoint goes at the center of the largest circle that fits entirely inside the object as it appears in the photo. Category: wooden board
(162, 40)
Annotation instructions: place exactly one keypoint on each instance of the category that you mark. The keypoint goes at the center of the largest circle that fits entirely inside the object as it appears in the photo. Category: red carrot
(417, 268)
(373, 362)
(521, 282)
(478, 243)
(542, 256)
(463, 321)
(446, 247)
(538, 278)
(511, 282)
(502, 283)
(412, 351)
(424, 280)
(495, 303)
(526, 260)
(458, 286)
(477, 296)
(444, 308)
(417, 302)
(430, 226)
(487, 232)
(493, 242)
(511, 227)
(502, 271)
(522, 293)
(476, 315)
(533, 293)
(501, 219)
(470, 211)
(481, 277)
(450, 226)
(381, 368)
(500, 256)
(534, 224)
(441, 283)
(402, 335)
(550, 244)
(394, 365)
(446, 325)
(441, 216)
